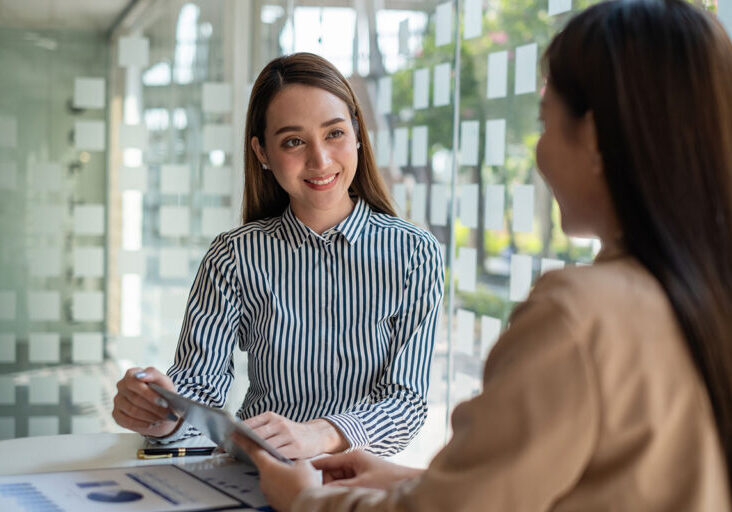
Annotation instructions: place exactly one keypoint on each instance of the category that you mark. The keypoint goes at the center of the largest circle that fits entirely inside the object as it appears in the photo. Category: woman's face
(310, 147)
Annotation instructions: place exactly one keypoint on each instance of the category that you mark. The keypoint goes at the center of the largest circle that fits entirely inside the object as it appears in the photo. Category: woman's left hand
(280, 483)
(298, 440)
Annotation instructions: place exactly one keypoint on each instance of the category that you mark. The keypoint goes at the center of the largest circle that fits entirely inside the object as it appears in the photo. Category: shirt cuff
(184, 431)
(352, 429)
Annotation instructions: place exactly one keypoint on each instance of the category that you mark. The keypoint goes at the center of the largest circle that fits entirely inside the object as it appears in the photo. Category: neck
(322, 220)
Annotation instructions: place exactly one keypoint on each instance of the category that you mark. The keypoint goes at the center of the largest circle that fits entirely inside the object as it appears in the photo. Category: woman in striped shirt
(334, 298)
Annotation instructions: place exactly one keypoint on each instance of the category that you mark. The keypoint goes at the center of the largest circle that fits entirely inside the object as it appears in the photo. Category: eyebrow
(335, 120)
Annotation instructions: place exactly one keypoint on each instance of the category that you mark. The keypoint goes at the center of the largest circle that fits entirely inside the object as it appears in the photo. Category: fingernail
(172, 417)
(161, 402)
(140, 375)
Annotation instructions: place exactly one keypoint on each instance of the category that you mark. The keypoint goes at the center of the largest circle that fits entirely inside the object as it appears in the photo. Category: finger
(280, 441)
(144, 401)
(126, 421)
(260, 457)
(346, 482)
(336, 474)
(333, 462)
(258, 421)
(267, 431)
(134, 411)
(136, 383)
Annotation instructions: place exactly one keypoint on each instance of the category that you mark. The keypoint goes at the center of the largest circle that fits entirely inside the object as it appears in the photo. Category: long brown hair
(657, 76)
(263, 196)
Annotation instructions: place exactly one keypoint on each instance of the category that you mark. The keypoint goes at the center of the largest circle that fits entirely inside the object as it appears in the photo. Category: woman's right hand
(137, 407)
(360, 469)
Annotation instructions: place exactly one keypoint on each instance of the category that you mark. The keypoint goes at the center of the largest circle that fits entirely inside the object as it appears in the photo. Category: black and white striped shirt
(338, 326)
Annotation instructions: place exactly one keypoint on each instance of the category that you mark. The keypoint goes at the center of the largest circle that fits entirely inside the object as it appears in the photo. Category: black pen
(164, 453)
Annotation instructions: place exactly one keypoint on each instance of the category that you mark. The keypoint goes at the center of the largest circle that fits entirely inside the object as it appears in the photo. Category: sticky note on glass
(175, 179)
(89, 92)
(47, 176)
(8, 175)
(495, 198)
(490, 330)
(469, 142)
(404, 37)
(87, 347)
(216, 220)
(560, 6)
(473, 18)
(438, 205)
(399, 193)
(469, 205)
(7, 305)
(44, 306)
(89, 135)
(383, 97)
(443, 24)
(216, 97)
(174, 263)
(419, 146)
(383, 148)
(131, 262)
(7, 347)
(85, 389)
(44, 262)
(497, 74)
(44, 347)
(495, 142)
(43, 425)
(174, 221)
(523, 208)
(8, 132)
(133, 51)
(548, 264)
(401, 143)
(441, 93)
(7, 390)
(520, 281)
(133, 178)
(87, 306)
(88, 262)
(43, 390)
(133, 136)
(525, 69)
(465, 339)
(419, 204)
(421, 88)
(89, 219)
(217, 137)
(467, 269)
(217, 180)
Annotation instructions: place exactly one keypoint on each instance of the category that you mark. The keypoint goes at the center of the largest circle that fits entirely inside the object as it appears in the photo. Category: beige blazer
(590, 402)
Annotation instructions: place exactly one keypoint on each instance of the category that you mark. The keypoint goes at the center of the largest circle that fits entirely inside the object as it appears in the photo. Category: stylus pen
(164, 453)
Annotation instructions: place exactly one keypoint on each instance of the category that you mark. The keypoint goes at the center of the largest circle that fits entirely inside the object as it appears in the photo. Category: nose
(318, 156)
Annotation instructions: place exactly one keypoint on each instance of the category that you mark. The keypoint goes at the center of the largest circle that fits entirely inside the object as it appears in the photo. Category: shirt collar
(295, 232)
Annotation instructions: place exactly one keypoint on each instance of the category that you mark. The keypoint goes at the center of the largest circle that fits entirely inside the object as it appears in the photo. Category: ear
(259, 152)
(588, 139)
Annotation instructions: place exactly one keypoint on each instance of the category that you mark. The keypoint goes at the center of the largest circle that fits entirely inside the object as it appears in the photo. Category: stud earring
(358, 145)
(264, 166)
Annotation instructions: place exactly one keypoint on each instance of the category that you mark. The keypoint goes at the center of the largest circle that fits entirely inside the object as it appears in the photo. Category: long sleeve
(519, 445)
(396, 408)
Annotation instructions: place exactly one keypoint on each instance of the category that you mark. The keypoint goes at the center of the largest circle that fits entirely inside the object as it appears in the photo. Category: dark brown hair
(657, 76)
(263, 196)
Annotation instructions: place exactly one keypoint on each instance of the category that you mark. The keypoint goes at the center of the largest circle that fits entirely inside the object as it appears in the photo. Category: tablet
(216, 424)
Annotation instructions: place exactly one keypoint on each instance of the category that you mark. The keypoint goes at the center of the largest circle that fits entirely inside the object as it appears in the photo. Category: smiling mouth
(322, 181)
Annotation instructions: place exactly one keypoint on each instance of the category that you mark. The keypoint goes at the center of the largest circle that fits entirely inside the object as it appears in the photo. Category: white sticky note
(174, 263)
(468, 205)
(497, 74)
(44, 347)
(44, 306)
(46, 176)
(87, 306)
(87, 347)
(465, 339)
(383, 95)
(174, 221)
(495, 200)
(88, 262)
(523, 208)
(404, 37)
(7, 428)
(85, 389)
(7, 347)
(216, 97)
(8, 132)
(175, 179)
(8, 175)
(490, 330)
(724, 13)
(467, 269)
(419, 204)
(438, 205)
(88, 92)
(43, 425)
(548, 264)
(217, 180)
(45, 262)
(559, 6)
(469, 133)
(399, 194)
(520, 281)
(217, 137)
(48, 219)
(401, 143)
(85, 425)
(441, 93)
(473, 18)
(525, 69)
(133, 178)
(383, 148)
(421, 88)
(43, 390)
(133, 136)
(216, 220)
(419, 146)
(7, 390)
(133, 51)
(7, 305)
(131, 262)
(89, 219)
(495, 142)
(89, 135)
(443, 21)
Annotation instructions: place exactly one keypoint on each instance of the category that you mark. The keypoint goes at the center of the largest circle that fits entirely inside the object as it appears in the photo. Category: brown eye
(291, 143)
(336, 134)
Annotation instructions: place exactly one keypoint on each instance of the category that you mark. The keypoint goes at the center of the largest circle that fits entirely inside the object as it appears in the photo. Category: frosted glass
(175, 179)
(43, 390)
(88, 262)
(216, 220)
(87, 347)
(520, 282)
(89, 92)
(7, 348)
(133, 51)
(89, 219)
(44, 306)
(217, 137)
(7, 305)
(443, 20)
(174, 221)
(174, 263)
(526, 68)
(216, 97)
(88, 306)
(89, 135)
(43, 426)
(44, 347)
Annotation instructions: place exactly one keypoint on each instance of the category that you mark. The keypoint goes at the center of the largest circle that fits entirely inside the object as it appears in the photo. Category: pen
(165, 453)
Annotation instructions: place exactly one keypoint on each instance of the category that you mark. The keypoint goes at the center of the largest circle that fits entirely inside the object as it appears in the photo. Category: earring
(264, 166)
(358, 145)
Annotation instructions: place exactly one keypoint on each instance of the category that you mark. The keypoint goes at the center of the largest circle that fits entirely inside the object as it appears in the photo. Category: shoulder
(382, 223)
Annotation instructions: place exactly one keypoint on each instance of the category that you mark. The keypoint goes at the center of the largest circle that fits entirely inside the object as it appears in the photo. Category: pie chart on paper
(120, 496)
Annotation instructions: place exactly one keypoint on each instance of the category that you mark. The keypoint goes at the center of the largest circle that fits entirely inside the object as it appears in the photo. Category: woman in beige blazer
(612, 387)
